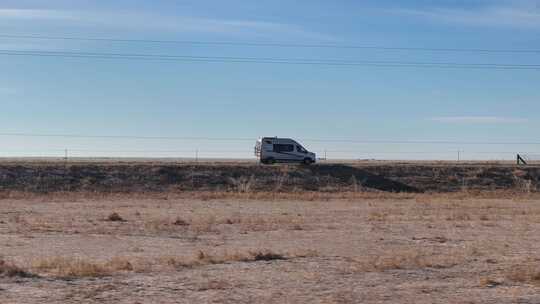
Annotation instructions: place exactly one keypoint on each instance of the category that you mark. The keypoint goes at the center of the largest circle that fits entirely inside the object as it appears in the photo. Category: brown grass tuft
(459, 217)
(119, 264)
(214, 285)
(490, 282)
(78, 268)
(266, 256)
(10, 270)
(526, 274)
(180, 222)
(377, 216)
(71, 268)
(413, 259)
(202, 258)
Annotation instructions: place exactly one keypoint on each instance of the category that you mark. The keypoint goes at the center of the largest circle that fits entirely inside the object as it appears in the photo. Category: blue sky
(248, 100)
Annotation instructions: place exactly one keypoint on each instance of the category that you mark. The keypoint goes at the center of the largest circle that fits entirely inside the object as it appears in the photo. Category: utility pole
(459, 155)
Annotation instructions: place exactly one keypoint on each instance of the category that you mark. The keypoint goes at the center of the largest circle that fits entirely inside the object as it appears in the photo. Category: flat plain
(270, 248)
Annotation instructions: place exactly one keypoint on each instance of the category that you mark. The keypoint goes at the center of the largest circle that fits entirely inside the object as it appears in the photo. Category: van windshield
(300, 149)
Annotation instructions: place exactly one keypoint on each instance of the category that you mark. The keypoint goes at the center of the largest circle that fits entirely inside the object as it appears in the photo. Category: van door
(267, 150)
(301, 152)
(284, 152)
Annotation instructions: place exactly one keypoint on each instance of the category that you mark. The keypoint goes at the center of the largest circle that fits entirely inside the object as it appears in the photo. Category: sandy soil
(425, 249)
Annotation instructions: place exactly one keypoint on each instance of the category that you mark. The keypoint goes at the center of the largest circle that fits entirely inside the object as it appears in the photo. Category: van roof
(278, 138)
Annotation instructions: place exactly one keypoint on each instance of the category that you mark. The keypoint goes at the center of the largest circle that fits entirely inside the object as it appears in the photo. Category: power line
(423, 152)
(419, 142)
(280, 45)
(240, 139)
(244, 151)
(294, 61)
(186, 138)
(270, 59)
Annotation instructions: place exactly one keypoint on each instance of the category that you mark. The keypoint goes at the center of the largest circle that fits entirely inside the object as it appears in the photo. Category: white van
(270, 150)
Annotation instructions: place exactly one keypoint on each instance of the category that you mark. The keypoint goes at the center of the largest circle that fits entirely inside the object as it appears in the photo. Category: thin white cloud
(149, 21)
(516, 16)
(29, 46)
(479, 120)
(35, 14)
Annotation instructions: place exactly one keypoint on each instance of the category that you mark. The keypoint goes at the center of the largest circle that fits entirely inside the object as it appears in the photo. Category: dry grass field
(270, 248)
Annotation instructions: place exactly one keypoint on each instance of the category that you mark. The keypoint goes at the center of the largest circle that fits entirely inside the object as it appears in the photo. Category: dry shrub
(67, 267)
(267, 223)
(202, 258)
(209, 223)
(266, 256)
(115, 217)
(214, 285)
(459, 217)
(162, 225)
(281, 180)
(180, 222)
(5, 195)
(413, 259)
(242, 184)
(78, 268)
(491, 282)
(119, 264)
(522, 184)
(206, 224)
(378, 216)
(20, 220)
(526, 274)
(91, 292)
(213, 224)
(10, 270)
(197, 225)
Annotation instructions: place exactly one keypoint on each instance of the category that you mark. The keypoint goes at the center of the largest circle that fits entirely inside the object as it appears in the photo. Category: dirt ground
(174, 249)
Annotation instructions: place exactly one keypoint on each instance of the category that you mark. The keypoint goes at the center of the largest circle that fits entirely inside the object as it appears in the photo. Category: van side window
(268, 142)
(283, 148)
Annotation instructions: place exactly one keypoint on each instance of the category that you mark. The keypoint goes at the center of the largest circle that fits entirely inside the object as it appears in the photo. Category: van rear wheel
(269, 161)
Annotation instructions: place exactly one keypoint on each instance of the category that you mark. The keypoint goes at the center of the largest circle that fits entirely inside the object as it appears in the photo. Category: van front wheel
(307, 161)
